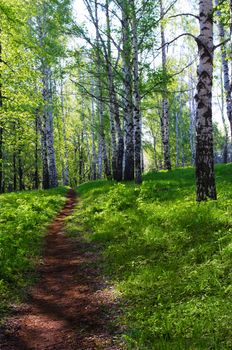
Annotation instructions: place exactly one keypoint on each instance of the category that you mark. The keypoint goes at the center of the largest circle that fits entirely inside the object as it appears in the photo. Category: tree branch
(179, 36)
(222, 43)
(185, 14)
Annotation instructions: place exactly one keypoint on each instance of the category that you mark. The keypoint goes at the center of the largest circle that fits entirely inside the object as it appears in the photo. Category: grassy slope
(169, 256)
(23, 219)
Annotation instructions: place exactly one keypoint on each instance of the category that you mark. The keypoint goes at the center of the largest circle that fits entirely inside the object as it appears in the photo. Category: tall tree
(205, 178)
(226, 74)
(137, 117)
(165, 111)
(128, 91)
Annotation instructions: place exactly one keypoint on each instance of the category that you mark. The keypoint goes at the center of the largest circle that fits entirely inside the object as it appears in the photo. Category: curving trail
(66, 310)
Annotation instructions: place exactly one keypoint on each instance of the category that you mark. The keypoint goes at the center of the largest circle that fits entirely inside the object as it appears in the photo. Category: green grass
(23, 220)
(170, 257)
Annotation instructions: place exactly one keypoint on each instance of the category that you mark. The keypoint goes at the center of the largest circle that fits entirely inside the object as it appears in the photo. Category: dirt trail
(66, 310)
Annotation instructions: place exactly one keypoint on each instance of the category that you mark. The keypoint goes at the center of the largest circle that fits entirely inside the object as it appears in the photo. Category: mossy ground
(169, 256)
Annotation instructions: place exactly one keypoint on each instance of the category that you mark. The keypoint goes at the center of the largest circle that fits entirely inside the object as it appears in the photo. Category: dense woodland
(124, 89)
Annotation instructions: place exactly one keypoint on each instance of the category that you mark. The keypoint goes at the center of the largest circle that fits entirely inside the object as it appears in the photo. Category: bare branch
(2, 61)
(221, 44)
(185, 14)
(179, 36)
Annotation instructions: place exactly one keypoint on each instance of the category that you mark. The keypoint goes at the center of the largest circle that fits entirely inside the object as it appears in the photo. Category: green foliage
(23, 220)
(169, 256)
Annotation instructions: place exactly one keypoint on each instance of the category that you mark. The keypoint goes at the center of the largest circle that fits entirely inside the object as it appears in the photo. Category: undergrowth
(169, 256)
(23, 220)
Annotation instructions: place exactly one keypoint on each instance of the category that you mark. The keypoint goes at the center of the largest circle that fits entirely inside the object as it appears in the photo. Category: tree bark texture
(93, 127)
(63, 117)
(102, 143)
(226, 75)
(165, 106)
(137, 100)
(47, 93)
(205, 179)
(192, 124)
(128, 98)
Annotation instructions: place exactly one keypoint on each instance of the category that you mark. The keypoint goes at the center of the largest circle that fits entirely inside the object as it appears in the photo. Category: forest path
(66, 309)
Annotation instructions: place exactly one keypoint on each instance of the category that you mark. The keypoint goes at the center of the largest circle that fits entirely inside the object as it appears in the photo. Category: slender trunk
(128, 99)
(94, 155)
(85, 134)
(205, 178)
(137, 100)
(20, 170)
(63, 117)
(192, 127)
(165, 106)
(226, 74)
(45, 173)
(177, 139)
(111, 97)
(36, 173)
(181, 132)
(14, 160)
(155, 153)
(14, 172)
(75, 151)
(102, 143)
(60, 144)
(120, 152)
(81, 157)
(225, 146)
(53, 181)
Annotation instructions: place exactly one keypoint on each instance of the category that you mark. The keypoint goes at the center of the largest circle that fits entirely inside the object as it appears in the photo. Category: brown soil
(68, 309)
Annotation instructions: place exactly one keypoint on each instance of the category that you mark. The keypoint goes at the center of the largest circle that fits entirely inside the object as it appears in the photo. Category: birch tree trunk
(137, 100)
(111, 95)
(36, 173)
(205, 179)
(192, 124)
(102, 143)
(53, 181)
(181, 132)
(63, 117)
(225, 147)
(226, 75)
(127, 100)
(45, 172)
(94, 155)
(165, 107)
(177, 139)
(155, 150)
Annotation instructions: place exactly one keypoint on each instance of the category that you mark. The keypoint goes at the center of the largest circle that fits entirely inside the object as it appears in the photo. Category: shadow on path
(66, 309)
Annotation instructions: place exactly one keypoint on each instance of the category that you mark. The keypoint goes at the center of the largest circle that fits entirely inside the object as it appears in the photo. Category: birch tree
(205, 178)
(165, 113)
(225, 66)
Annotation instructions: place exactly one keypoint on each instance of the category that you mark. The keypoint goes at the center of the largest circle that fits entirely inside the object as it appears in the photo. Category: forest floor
(70, 307)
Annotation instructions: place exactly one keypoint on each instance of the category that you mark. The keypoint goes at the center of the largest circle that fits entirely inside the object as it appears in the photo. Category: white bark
(127, 100)
(226, 74)
(63, 116)
(94, 155)
(165, 107)
(137, 100)
(205, 178)
(192, 121)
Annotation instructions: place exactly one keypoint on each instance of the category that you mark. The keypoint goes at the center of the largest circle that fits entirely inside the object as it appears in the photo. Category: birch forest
(119, 112)
(125, 88)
